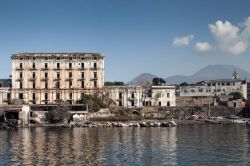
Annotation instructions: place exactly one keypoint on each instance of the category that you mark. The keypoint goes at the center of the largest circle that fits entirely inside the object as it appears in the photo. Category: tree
(94, 103)
(158, 81)
(58, 115)
(236, 95)
(115, 83)
(184, 84)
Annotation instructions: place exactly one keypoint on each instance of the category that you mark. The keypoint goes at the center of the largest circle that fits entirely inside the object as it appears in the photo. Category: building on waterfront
(248, 90)
(48, 78)
(5, 91)
(125, 96)
(214, 88)
(161, 95)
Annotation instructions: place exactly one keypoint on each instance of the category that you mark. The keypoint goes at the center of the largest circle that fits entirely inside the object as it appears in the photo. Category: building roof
(55, 54)
(218, 81)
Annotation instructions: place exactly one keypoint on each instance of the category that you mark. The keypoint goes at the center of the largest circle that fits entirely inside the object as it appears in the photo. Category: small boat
(248, 123)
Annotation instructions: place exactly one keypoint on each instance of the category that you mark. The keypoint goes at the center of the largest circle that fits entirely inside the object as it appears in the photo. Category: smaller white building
(125, 96)
(163, 95)
(214, 88)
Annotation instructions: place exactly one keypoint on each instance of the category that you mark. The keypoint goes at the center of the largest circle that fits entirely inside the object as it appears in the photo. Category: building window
(21, 65)
(95, 74)
(46, 65)
(95, 84)
(82, 65)
(70, 84)
(214, 84)
(132, 103)
(95, 65)
(34, 66)
(70, 74)
(46, 75)
(223, 84)
(46, 85)
(159, 103)
(70, 96)
(70, 65)
(46, 96)
(120, 95)
(34, 96)
(168, 103)
(21, 74)
(167, 94)
(58, 65)
(20, 96)
(82, 84)
(185, 91)
(57, 96)
(21, 85)
(58, 75)
(120, 103)
(33, 75)
(228, 83)
(200, 90)
(82, 74)
(33, 85)
(133, 95)
(57, 85)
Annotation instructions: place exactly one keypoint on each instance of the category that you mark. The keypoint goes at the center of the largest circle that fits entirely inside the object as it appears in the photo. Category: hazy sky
(162, 37)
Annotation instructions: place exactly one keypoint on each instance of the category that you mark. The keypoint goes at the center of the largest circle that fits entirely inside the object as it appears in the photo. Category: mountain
(210, 72)
(142, 78)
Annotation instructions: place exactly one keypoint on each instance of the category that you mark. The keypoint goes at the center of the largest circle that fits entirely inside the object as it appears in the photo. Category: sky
(162, 37)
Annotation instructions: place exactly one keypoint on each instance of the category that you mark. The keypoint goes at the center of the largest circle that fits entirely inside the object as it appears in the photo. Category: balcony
(57, 79)
(68, 79)
(93, 79)
(19, 68)
(94, 68)
(45, 68)
(82, 68)
(58, 68)
(69, 68)
(44, 79)
(81, 79)
(32, 79)
(32, 69)
(19, 79)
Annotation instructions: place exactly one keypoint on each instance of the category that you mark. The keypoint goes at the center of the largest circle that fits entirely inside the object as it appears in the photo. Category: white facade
(4, 95)
(43, 78)
(163, 96)
(125, 96)
(214, 88)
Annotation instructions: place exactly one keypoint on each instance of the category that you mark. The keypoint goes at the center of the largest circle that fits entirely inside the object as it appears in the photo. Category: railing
(32, 79)
(19, 79)
(19, 68)
(44, 79)
(68, 79)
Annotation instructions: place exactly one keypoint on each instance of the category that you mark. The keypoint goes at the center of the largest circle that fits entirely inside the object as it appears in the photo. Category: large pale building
(215, 88)
(125, 96)
(47, 78)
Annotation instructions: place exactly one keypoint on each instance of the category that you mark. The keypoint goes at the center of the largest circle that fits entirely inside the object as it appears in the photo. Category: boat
(248, 123)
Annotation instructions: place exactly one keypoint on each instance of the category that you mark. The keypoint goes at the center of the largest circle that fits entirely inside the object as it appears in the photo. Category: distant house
(215, 88)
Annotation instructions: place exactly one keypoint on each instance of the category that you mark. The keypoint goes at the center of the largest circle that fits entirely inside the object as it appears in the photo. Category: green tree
(236, 95)
(184, 84)
(58, 115)
(158, 81)
(94, 103)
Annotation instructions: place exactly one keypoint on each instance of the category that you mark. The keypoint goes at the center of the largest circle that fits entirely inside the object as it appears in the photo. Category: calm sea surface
(197, 144)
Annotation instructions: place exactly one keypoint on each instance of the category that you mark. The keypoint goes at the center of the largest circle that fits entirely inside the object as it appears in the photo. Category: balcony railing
(57, 79)
(58, 68)
(68, 79)
(19, 79)
(32, 68)
(19, 68)
(44, 79)
(82, 68)
(45, 68)
(93, 79)
(81, 79)
(32, 79)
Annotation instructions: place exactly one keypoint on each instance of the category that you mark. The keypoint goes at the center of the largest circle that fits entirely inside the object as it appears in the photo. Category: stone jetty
(123, 124)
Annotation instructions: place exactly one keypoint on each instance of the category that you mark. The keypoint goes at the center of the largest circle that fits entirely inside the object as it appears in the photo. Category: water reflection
(182, 145)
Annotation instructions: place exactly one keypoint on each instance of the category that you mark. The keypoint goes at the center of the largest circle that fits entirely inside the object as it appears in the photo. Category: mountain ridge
(206, 73)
